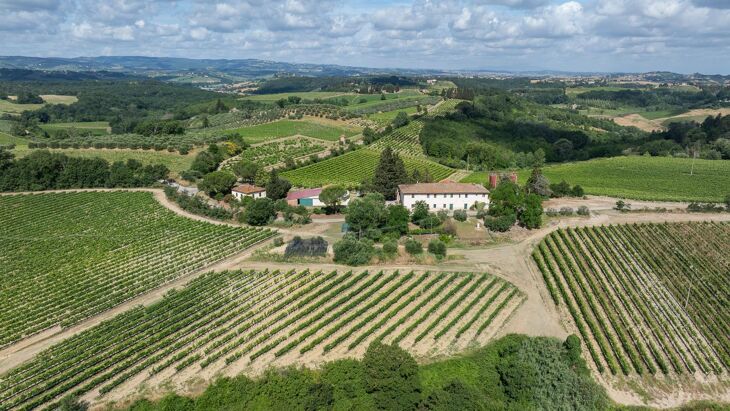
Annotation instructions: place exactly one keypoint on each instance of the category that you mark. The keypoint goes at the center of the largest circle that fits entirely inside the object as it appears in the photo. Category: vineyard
(68, 256)
(234, 319)
(275, 152)
(405, 140)
(355, 167)
(285, 128)
(647, 298)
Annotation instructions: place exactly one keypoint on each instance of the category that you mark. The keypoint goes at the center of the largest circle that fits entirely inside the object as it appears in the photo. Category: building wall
(239, 196)
(443, 201)
(314, 201)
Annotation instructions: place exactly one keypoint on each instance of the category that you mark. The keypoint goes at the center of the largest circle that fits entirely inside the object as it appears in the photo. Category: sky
(683, 36)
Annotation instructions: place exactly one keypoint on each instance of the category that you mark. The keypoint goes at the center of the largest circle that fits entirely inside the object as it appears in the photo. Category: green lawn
(174, 161)
(641, 178)
(285, 128)
(353, 168)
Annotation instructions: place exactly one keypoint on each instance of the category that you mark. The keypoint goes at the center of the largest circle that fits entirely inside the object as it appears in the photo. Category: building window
(452, 196)
(413, 196)
(428, 195)
(464, 206)
(434, 206)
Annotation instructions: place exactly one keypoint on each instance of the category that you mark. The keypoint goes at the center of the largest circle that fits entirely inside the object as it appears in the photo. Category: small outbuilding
(248, 190)
(310, 198)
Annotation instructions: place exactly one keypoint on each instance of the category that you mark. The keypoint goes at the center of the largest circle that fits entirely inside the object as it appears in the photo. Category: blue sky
(589, 35)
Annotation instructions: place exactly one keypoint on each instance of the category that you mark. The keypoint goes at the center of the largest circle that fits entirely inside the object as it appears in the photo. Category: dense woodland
(489, 132)
(43, 170)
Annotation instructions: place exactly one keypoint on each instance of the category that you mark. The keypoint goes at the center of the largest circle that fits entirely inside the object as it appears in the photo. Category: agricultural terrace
(243, 320)
(646, 299)
(384, 118)
(390, 104)
(276, 152)
(354, 168)
(641, 178)
(68, 256)
(285, 128)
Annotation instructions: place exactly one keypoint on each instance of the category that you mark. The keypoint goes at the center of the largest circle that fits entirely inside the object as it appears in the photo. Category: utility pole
(694, 157)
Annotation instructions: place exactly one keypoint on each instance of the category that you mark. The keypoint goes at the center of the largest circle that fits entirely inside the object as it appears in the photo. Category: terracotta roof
(248, 189)
(442, 188)
(296, 195)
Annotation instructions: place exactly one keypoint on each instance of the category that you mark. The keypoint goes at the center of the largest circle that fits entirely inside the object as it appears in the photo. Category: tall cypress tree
(390, 172)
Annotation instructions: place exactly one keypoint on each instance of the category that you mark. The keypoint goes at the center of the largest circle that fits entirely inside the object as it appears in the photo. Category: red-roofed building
(248, 190)
(442, 196)
(310, 198)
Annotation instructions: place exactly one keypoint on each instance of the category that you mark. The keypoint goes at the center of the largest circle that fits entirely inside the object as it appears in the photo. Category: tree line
(43, 170)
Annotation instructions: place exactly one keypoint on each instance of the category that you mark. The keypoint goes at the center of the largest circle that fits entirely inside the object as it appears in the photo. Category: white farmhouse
(248, 190)
(442, 196)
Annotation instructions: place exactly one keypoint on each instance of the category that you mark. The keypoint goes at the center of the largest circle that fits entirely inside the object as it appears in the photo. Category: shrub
(260, 212)
(391, 377)
(430, 221)
(501, 223)
(390, 247)
(583, 210)
(566, 211)
(414, 247)
(442, 215)
(551, 212)
(278, 242)
(577, 191)
(352, 251)
(437, 248)
(310, 247)
(460, 215)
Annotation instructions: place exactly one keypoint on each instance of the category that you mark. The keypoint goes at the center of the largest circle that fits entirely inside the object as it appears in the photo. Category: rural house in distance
(248, 190)
(442, 196)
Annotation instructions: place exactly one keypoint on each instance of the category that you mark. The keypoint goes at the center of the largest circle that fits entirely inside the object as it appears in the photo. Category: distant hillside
(242, 68)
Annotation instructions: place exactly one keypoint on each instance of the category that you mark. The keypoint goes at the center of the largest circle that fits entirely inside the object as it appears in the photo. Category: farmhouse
(442, 196)
(248, 190)
(310, 198)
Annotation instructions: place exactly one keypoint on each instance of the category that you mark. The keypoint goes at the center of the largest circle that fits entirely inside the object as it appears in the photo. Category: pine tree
(390, 172)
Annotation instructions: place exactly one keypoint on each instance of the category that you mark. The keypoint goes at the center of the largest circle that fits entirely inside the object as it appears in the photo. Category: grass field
(285, 128)
(12, 108)
(66, 257)
(246, 320)
(355, 167)
(641, 178)
(306, 95)
(387, 117)
(6, 139)
(646, 299)
(96, 127)
(174, 161)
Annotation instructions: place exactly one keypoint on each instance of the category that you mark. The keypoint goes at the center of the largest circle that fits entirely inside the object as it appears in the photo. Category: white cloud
(560, 34)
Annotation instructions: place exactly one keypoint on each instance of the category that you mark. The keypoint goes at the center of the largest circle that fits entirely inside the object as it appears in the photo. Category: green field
(66, 257)
(386, 117)
(641, 178)
(285, 128)
(12, 108)
(6, 139)
(306, 95)
(355, 167)
(175, 162)
(95, 127)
